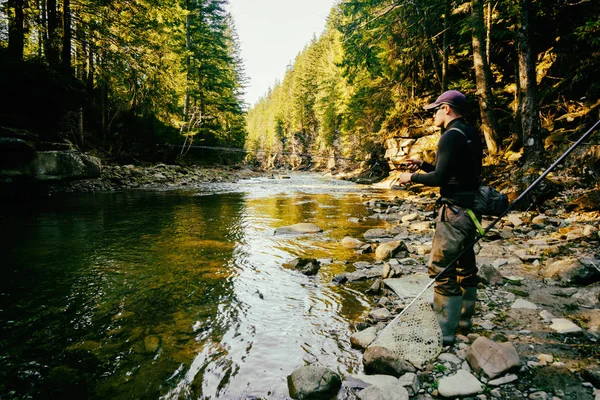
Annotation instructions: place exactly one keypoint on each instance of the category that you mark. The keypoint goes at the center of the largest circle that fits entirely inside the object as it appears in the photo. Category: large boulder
(491, 358)
(65, 165)
(313, 382)
(19, 160)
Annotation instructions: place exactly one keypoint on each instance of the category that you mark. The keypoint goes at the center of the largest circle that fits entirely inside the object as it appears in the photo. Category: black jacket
(458, 164)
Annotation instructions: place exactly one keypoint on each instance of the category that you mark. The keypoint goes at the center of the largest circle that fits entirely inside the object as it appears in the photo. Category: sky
(272, 33)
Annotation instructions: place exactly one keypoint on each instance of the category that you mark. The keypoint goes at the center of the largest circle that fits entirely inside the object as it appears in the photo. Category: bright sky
(272, 33)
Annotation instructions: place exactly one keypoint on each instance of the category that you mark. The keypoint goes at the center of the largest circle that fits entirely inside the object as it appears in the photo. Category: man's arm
(440, 174)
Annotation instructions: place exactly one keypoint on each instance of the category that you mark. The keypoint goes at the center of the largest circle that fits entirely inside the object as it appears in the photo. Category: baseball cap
(451, 97)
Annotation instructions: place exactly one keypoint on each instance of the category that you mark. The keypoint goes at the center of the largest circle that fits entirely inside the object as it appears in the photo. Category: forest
(530, 70)
(120, 77)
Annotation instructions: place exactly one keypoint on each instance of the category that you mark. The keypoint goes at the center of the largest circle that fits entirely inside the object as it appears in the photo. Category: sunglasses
(435, 110)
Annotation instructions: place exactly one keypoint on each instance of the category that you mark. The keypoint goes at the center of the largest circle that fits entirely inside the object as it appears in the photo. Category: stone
(410, 381)
(461, 384)
(386, 392)
(489, 275)
(306, 266)
(503, 380)
(422, 226)
(363, 339)
(450, 358)
(410, 217)
(389, 249)
(304, 227)
(571, 270)
(377, 233)
(538, 396)
(546, 316)
(351, 243)
(515, 220)
(361, 381)
(311, 382)
(524, 304)
(379, 360)
(540, 220)
(545, 359)
(380, 314)
(491, 358)
(562, 325)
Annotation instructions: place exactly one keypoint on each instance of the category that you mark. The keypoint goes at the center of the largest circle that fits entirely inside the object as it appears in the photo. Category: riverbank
(158, 176)
(539, 298)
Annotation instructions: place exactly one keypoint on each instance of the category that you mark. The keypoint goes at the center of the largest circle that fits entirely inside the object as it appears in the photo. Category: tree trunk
(188, 63)
(16, 28)
(66, 42)
(52, 51)
(445, 43)
(528, 107)
(483, 79)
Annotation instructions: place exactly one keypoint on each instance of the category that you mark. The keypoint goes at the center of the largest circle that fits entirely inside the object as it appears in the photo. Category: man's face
(438, 115)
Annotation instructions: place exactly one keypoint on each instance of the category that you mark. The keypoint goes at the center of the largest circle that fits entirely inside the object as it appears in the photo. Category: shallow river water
(176, 294)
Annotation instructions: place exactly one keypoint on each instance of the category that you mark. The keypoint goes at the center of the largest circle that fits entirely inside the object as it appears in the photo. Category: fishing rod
(489, 227)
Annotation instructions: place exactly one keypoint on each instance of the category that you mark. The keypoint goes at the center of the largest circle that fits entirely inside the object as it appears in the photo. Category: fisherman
(457, 174)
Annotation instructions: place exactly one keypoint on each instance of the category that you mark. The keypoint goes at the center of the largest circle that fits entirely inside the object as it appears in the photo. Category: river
(177, 294)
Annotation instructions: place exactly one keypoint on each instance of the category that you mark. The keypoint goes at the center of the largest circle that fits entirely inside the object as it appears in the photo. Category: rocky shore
(158, 176)
(537, 323)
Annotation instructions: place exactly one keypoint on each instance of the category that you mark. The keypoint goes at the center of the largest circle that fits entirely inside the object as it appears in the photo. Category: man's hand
(413, 164)
(404, 178)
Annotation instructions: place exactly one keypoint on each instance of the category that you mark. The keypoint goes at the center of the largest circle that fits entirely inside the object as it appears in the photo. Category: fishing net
(415, 335)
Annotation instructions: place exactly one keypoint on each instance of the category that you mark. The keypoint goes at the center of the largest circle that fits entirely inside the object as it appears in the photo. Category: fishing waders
(454, 229)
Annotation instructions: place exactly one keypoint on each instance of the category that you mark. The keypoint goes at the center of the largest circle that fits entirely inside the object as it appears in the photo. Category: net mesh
(416, 336)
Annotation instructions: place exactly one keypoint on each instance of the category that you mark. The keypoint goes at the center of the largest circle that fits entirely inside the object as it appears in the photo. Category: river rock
(562, 325)
(389, 249)
(307, 266)
(379, 360)
(313, 382)
(363, 339)
(410, 381)
(304, 227)
(384, 392)
(493, 359)
(361, 381)
(489, 275)
(524, 304)
(460, 384)
(571, 270)
(351, 243)
(377, 233)
(515, 220)
(503, 380)
(380, 314)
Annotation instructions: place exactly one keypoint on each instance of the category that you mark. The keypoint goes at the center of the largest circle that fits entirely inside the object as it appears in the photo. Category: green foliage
(367, 77)
(135, 63)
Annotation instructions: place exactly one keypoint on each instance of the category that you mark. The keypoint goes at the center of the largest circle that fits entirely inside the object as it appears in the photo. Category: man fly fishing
(457, 174)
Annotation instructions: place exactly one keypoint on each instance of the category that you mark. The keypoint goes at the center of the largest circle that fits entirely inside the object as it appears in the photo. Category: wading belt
(443, 201)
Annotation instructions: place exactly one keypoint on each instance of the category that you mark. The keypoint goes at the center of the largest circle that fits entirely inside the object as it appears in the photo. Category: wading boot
(447, 310)
(469, 296)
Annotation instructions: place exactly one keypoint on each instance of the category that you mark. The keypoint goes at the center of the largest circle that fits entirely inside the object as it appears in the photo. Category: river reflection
(176, 294)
